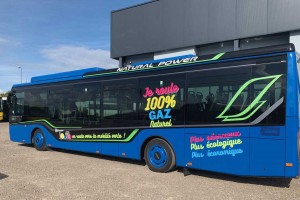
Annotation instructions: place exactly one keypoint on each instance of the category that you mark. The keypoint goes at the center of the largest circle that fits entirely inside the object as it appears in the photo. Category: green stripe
(216, 57)
(260, 104)
(46, 121)
(132, 134)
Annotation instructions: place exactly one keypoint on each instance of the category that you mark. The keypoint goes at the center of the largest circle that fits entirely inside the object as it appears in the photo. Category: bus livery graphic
(256, 104)
(118, 136)
(157, 65)
(160, 103)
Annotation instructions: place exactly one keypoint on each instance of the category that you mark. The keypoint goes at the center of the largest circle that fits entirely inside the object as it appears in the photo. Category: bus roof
(62, 76)
(158, 64)
(184, 61)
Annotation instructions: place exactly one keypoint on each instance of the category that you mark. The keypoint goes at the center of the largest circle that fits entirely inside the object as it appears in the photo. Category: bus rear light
(97, 152)
(49, 145)
(189, 164)
(289, 164)
(123, 154)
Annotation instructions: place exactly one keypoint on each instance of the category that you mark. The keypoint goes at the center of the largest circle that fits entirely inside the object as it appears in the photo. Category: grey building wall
(169, 24)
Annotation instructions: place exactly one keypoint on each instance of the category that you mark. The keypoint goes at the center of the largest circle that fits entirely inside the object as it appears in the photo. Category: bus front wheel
(159, 156)
(39, 140)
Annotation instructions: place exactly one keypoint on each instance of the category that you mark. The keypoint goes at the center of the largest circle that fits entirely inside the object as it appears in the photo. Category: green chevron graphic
(47, 122)
(254, 106)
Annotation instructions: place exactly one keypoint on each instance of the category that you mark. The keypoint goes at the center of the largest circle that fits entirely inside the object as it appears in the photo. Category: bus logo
(256, 104)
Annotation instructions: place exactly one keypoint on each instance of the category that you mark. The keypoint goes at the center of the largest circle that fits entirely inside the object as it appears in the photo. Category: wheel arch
(32, 133)
(147, 140)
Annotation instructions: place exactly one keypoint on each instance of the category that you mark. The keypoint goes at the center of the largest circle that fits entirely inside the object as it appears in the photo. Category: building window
(215, 48)
(263, 41)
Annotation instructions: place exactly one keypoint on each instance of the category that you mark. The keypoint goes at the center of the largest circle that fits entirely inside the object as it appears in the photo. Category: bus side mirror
(11, 98)
(8, 102)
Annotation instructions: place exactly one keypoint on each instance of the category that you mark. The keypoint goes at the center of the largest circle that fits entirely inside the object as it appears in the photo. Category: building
(167, 28)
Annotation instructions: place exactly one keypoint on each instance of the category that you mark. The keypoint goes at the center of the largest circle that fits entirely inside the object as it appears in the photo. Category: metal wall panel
(172, 33)
(195, 25)
(221, 20)
(136, 30)
(252, 18)
(283, 15)
(170, 24)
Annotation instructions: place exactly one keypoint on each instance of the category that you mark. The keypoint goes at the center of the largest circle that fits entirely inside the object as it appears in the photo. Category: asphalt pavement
(26, 173)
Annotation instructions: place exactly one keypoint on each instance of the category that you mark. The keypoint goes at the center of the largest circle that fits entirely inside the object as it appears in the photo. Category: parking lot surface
(26, 173)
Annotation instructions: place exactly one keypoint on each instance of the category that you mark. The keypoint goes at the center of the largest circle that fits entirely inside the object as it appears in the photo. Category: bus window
(87, 104)
(162, 101)
(119, 104)
(76, 105)
(36, 103)
(17, 103)
(60, 101)
(274, 93)
(209, 94)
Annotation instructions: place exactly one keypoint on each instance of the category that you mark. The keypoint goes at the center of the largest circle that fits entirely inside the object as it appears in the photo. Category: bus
(234, 112)
(3, 109)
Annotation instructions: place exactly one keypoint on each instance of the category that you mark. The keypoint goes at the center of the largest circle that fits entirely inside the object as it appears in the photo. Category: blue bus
(235, 112)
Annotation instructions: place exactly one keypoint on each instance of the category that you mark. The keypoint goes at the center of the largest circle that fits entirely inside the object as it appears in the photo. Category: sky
(39, 37)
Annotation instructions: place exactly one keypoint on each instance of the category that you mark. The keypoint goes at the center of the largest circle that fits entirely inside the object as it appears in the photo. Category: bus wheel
(39, 140)
(159, 156)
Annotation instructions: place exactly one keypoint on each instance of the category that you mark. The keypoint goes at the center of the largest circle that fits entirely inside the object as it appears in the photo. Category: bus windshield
(17, 103)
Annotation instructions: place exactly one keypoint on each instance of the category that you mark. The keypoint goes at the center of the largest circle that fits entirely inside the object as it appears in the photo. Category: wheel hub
(157, 156)
(39, 140)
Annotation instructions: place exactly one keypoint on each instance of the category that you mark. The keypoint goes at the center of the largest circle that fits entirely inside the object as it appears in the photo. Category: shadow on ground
(91, 155)
(3, 176)
(274, 182)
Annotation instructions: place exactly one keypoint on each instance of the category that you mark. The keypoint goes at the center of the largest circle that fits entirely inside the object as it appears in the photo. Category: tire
(159, 156)
(39, 140)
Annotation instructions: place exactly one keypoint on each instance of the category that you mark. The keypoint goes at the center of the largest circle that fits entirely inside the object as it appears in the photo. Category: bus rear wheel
(39, 140)
(159, 156)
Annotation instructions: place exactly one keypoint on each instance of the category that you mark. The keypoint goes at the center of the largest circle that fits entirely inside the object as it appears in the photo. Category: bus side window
(120, 104)
(208, 95)
(159, 93)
